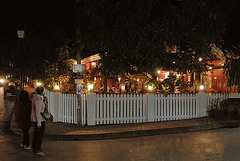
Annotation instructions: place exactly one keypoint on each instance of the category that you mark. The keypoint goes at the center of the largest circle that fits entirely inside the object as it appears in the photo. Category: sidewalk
(70, 132)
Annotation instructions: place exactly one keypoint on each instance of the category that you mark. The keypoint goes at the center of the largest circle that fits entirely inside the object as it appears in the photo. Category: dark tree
(132, 34)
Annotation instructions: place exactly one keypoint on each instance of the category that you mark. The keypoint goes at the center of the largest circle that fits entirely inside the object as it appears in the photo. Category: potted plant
(215, 110)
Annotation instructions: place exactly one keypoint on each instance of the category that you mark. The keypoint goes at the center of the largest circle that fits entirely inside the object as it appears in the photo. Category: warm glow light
(119, 79)
(57, 87)
(201, 87)
(215, 77)
(38, 83)
(137, 80)
(149, 87)
(75, 62)
(200, 59)
(93, 63)
(158, 71)
(95, 78)
(123, 88)
(210, 67)
(166, 74)
(90, 87)
(1, 80)
(174, 62)
(157, 79)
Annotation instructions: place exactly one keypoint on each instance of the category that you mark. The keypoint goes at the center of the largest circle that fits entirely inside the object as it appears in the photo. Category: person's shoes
(40, 154)
(26, 147)
(21, 145)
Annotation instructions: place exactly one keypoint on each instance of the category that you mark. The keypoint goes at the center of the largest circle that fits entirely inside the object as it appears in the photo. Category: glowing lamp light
(150, 88)
(95, 78)
(93, 63)
(119, 79)
(1, 80)
(57, 87)
(123, 88)
(166, 74)
(210, 67)
(75, 62)
(200, 59)
(90, 87)
(137, 80)
(38, 83)
(201, 87)
(158, 71)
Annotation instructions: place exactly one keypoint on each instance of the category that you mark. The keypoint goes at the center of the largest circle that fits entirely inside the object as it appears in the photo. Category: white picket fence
(115, 109)
(99, 109)
(65, 107)
(175, 107)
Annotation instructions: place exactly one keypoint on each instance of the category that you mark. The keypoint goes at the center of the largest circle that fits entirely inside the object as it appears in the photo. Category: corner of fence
(91, 109)
(202, 104)
(150, 107)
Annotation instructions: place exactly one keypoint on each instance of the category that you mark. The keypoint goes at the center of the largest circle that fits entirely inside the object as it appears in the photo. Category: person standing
(23, 117)
(38, 107)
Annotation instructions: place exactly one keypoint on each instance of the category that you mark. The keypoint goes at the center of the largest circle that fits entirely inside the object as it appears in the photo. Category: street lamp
(21, 35)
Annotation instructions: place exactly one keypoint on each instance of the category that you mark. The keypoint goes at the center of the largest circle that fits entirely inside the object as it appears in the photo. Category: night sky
(61, 14)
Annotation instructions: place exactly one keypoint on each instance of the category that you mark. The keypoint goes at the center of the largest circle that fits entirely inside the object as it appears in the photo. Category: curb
(130, 134)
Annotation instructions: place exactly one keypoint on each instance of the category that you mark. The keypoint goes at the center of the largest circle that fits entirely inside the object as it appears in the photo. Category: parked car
(10, 90)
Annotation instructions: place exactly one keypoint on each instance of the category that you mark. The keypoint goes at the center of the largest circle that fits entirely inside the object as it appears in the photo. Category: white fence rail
(175, 107)
(116, 109)
(99, 109)
(63, 107)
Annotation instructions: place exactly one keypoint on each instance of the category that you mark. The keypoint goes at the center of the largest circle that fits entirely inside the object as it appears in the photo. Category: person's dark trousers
(25, 136)
(37, 137)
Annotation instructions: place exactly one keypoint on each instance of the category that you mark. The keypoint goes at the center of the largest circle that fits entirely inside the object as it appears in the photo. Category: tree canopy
(136, 33)
(131, 36)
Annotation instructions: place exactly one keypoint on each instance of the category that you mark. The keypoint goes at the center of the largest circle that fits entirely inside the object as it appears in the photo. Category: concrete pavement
(70, 132)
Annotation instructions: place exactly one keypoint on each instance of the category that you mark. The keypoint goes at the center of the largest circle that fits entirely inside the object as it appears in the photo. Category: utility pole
(21, 36)
(78, 69)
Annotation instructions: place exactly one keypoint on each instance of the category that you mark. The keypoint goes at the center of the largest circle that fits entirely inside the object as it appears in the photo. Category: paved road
(214, 145)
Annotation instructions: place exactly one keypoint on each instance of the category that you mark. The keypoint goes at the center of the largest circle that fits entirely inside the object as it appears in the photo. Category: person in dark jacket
(23, 117)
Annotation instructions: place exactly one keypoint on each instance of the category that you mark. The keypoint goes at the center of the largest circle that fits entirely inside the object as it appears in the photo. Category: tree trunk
(105, 85)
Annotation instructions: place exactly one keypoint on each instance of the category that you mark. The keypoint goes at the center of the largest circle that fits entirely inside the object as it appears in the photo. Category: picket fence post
(202, 104)
(91, 112)
(150, 107)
